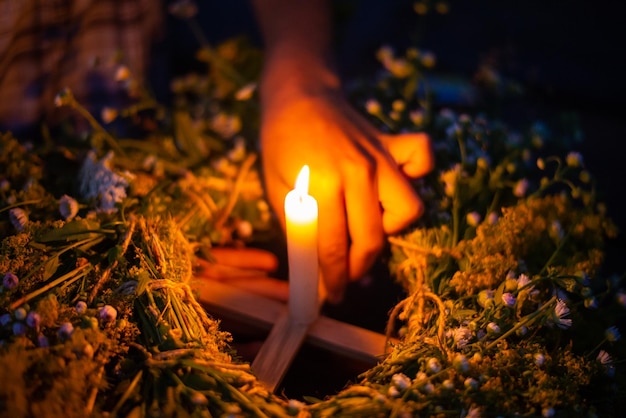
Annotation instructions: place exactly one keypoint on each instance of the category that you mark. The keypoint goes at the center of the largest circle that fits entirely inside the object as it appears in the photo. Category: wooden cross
(286, 337)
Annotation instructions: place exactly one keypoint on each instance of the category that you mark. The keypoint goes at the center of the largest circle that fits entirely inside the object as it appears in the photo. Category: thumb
(412, 151)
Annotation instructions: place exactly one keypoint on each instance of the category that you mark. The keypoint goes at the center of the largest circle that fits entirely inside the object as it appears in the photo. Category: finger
(333, 240)
(413, 152)
(264, 286)
(364, 217)
(222, 272)
(401, 204)
(245, 258)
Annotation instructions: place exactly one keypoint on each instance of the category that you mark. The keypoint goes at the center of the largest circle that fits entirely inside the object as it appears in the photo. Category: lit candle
(301, 217)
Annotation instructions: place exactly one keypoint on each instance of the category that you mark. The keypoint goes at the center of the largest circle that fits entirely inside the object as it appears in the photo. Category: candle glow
(301, 228)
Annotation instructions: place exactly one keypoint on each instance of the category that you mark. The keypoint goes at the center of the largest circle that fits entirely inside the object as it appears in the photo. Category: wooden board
(327, 333)
(278, 351)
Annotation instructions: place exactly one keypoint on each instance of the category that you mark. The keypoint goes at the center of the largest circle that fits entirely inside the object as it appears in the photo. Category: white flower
(5, 319)
(245, 92)
(108, 114)
(18, 218)
(384, 53)
(428, 59)
(574, 159)
(470, 383)
(20, 314)
(417, 117)
(433, 365)
(473, 219)
(122, 73)
(541, 164)
(522, 281)
(98, 181)
(399, 67)
(474, 412)
(81, 307)
(447, 384)
(66, 330)
(401, 381)
(449, 178)
(492, 218)
(521, 187)
(10, 280)
(33, 319)
(485, 298)
(393, 392)
(604, 358)
(560, 312)
(591, 302)
(540, 359)
(493, 328)
(428, 388)
(244, 229)
(460, 363)
(453, 130)
(295, 405)
(398, 105)
(42, 341)
(556, 231)
(612, 334)
(68, 207)
(372, 106)
(509, 299)
(107, 313)
(226, 125)
(462, 335)
(19, 328)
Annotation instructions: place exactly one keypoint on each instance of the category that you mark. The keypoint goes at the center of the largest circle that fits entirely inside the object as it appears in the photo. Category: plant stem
(82, 270)
(526, 320)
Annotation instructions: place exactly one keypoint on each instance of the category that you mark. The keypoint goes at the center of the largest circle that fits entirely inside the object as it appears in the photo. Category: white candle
(301, 217)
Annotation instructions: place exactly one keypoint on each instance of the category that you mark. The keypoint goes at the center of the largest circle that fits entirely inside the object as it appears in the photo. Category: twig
(107, 273)
(50, 285)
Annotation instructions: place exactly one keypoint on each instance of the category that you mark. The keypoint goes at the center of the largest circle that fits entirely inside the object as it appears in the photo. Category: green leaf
(463, 313)
(569, 284)
(114, 254)
(72, 231)
(142, 282)
(51, 266)
(498, 296)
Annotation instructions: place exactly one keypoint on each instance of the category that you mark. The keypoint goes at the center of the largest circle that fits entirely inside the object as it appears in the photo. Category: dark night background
(567, 55)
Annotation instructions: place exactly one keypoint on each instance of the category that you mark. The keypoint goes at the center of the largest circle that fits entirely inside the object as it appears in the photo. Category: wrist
(295, 73)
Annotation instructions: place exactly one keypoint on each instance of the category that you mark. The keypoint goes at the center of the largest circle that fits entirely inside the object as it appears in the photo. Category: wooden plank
(278, 351)
(327, 333)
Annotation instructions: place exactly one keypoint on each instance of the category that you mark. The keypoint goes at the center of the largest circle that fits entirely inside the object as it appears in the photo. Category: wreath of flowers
(507, 311)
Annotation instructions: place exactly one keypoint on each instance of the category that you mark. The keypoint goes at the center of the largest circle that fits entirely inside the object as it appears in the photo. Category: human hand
(245, 268)
(359, 176)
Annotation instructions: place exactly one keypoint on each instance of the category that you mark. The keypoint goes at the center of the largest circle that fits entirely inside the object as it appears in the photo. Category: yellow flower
(428, 59)
(122, 73)
(372, 106)
(108, 114)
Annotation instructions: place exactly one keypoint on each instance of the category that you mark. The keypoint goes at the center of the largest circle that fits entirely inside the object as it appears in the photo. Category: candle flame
(302, 181)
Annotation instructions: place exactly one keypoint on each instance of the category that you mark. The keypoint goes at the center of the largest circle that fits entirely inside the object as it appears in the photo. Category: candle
(301, 218)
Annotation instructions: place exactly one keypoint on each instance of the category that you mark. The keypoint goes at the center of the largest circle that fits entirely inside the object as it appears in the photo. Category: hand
(358, 175)
(245, 268)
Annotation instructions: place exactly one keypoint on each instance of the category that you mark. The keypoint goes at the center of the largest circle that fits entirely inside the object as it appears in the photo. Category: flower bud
(10, 280)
